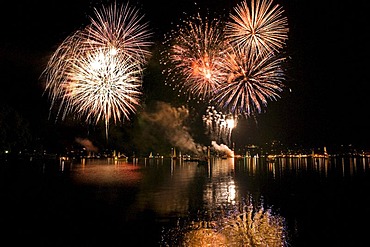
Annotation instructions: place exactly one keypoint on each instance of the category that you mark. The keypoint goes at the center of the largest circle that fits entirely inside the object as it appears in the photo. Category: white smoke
(222, 149)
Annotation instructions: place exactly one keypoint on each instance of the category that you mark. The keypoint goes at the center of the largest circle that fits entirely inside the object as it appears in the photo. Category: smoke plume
(87, 144)
(171, 121)
(222, 149)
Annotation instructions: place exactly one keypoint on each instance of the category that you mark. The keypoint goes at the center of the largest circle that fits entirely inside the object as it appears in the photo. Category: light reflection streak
(326, 166)
(363, 163)
(352, 166)
(343, 167)
(175, 195)
(221, 188)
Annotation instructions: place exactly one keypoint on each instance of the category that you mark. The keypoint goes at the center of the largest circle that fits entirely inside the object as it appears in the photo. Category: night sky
(327, 70)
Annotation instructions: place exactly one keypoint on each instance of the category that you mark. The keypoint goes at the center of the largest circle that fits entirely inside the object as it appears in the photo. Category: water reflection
(248, 225)
(206, 198)
(185, 186)
(220, 188)
(287, 166)
(167, 187)
(220, 202)
(234, 213)
(227, 217)
(103, 172)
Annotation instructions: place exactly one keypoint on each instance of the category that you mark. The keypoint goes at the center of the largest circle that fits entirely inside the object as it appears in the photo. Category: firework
(195, 55)
(260, 27)
(237, 68)
(219, 126)
(104, 86)
(96, 72)
(252, 81)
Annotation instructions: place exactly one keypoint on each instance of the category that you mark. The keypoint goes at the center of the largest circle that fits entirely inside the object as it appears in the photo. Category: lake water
(165, 202)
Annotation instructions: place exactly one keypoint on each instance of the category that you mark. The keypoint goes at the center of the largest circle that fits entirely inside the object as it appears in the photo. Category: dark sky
(327, 70)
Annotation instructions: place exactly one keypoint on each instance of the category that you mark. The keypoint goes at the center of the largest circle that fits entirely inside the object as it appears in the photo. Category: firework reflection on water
(227, 219)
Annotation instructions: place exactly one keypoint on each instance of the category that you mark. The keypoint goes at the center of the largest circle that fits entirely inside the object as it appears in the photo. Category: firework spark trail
(211, 121)
(252, 82)
(122, 28)
(97, 72)
(260, 27)
(56, 70)
(196, 55)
